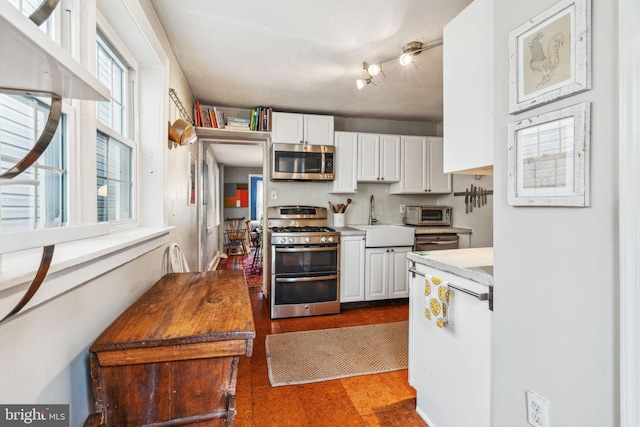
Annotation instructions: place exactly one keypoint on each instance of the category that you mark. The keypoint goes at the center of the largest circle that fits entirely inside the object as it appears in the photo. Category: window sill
(74, 263)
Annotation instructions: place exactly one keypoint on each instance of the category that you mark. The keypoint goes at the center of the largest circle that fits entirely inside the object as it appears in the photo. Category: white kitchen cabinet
(421, 167)
(352, 268)
(294, 128)
(346, 162)
(378, 157)
(468, 102)
(464, 346)
(386, 273)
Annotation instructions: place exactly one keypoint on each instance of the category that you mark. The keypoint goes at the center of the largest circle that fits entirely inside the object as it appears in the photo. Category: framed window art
(549, 55)
(548, 159)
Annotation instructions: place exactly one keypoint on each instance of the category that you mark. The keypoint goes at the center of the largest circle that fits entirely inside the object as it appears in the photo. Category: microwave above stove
(302, 162)
(429, 215)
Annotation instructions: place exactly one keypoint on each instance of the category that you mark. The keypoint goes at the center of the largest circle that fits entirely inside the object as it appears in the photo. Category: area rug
(252, 271)
(328, 354)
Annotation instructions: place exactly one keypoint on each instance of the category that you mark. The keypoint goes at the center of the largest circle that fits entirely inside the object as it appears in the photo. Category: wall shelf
(30, 62)
(230, 135)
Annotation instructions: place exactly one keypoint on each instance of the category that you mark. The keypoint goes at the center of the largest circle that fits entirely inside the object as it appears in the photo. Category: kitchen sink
(384, 235)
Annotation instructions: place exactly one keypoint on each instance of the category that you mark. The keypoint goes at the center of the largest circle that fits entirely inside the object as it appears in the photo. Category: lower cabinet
(351, 268)
(386, 273)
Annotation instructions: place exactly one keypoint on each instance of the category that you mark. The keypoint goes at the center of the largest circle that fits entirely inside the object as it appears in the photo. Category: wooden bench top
(185, 309)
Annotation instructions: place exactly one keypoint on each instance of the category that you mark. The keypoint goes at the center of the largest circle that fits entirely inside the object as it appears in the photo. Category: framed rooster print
(549, 55)
(548, 158)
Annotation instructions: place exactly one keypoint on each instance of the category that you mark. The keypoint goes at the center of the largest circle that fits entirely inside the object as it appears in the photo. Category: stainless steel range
(305, 262)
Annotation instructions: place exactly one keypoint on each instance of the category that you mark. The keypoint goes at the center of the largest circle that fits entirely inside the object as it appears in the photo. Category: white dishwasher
(450, 367)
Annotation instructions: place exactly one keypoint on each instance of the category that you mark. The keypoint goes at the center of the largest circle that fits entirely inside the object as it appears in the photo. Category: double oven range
(305, 262)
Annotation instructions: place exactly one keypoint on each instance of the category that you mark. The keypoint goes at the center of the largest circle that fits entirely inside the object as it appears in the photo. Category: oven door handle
(308, 249)
(306, 279)
(438, 242)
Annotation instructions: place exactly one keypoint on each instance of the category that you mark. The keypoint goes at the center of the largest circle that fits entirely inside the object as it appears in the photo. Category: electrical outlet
(537, 410)
(403, 208)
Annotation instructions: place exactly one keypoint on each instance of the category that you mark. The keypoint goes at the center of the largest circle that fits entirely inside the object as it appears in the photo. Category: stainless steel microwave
(429, 215)
(302, 162)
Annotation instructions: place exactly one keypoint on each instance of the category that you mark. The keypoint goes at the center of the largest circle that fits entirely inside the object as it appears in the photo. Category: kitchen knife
(466, 200)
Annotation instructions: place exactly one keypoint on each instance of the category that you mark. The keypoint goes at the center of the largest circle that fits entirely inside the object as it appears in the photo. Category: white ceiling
(305, 56)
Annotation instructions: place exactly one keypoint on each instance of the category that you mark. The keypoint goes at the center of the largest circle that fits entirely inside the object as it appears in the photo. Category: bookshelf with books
(257, 119)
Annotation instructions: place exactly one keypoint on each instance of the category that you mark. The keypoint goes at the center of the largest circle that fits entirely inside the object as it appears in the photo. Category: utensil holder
(338, 219)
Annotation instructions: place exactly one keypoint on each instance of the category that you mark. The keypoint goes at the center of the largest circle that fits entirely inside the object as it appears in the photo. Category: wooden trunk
(172, 357)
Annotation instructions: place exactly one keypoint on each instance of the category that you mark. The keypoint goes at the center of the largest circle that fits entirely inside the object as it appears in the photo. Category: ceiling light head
(374, 69)
(410, 50)
(360, 83)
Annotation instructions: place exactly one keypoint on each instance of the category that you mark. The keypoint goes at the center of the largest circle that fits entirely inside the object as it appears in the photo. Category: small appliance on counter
(434, 217)
(429, 216)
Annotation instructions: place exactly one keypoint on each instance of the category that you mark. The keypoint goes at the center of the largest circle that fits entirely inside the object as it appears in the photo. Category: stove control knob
(282, 240)
(307, 240)
(290, 239)
(330, 239)
(323, 239)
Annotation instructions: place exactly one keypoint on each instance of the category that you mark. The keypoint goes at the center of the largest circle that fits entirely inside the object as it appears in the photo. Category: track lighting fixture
(409, 51)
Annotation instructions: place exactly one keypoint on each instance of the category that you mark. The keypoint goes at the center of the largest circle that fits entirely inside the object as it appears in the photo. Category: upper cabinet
(378, 157)
(30, 62)
(468, 96)
(293, 128)
(346, 162)
(422, 171)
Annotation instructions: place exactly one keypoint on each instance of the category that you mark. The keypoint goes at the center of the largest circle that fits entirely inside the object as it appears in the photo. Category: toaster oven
(429, 215)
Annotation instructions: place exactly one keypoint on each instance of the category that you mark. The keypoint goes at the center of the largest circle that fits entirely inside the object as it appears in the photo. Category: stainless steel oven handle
(306, 279)
(438, 242)
(308, 249)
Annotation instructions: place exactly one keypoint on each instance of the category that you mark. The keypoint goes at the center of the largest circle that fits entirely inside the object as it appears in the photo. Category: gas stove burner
(303, 229)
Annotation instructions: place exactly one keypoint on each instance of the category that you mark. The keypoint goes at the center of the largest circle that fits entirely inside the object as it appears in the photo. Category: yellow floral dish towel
(437, 300)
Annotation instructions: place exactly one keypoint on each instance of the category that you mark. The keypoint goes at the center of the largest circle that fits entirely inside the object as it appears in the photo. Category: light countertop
(472, 263)
(351, 231)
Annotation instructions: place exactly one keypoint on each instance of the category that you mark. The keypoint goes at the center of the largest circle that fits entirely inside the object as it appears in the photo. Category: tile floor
(384, 400)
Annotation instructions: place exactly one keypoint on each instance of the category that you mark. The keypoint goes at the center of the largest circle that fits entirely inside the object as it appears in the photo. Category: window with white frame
(114, 142)
(22, 119)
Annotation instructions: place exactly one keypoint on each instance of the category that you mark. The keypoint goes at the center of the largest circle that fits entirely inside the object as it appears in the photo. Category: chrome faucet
(372, 211)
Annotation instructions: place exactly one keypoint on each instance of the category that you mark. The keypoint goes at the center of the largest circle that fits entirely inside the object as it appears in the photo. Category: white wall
(480, 220)
(556, 310)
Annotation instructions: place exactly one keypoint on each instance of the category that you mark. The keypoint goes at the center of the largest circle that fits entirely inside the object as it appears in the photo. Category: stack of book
(236, 123)
(208, 117)
(261, 119)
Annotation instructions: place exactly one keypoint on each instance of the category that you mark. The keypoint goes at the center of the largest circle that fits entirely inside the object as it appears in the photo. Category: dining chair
(236, 233)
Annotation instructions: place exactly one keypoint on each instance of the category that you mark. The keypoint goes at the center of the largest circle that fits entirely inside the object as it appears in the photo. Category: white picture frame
(550, 56)
(548, 159)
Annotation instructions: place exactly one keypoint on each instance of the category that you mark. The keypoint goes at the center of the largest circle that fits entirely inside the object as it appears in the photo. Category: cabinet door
(376, 275)
(437, 180)
(346, 162)
(318, 130)
(414, 164)
(287, 128)
(352, 268)
(390, 158)
(398, 283)
(368, 157)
